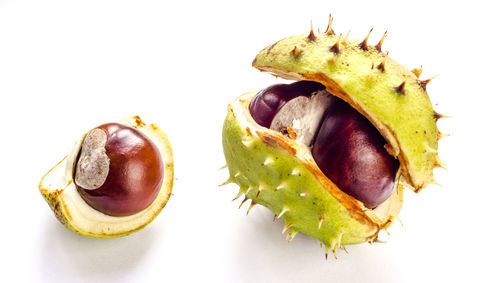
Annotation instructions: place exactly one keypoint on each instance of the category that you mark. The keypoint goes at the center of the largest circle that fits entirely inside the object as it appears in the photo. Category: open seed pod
(330, 153)
(115, 181)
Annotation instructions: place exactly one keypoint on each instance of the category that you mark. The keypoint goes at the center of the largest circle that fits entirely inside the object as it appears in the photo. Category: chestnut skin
(269, 101)
(350, 151)
(135, 173)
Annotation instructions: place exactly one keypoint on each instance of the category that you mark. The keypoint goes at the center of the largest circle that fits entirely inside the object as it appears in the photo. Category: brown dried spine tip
(423, 84)
(417, 71)
(379, 44)
(329, 30)
(438, 116)
(336, 47)
(381, 66)
(252, 204)
(401, 88)
(364, 45)
(244, 200)
(296, 52)
(311, 36)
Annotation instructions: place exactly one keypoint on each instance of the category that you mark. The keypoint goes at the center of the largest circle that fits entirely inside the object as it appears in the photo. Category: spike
(258, 191)
(287, 225)
(326, 255)
(247, 143)
(296, 52)
(381, 66)
(379, 44)
(275, 217)
(240, 192)
(434, 182)
(336, 243)
(373, 238)
(237, 174)
(293, 234)
(295, 172)
(423, 84)
(335, 253)
(321, 244)
(417, 71)
(248, 190)
(311, 36)
(228, 181)
(282, 212)
(399, 220)
(304, 194)
(329, 30)
(430, 149)
(268, 161)
(344, 41)
(438, 116)
(251, 206)
(245, 199)
(439, 163)
(387, 231)
(336, 47)
(442, 135)
(281, 186)
(401, 88)
(223, 167)
(364, 45)
(320, 221)
(344, 248)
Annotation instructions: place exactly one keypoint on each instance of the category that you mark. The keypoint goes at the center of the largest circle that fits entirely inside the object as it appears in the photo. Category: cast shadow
(263, 255)
(68, 257)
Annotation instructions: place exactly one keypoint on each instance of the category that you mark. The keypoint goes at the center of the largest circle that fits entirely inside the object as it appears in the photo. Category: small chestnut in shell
(116, 179)
(119, 171)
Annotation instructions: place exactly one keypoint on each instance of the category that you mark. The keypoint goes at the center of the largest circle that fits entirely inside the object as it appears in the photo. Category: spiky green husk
(388, 94)
(280, 174)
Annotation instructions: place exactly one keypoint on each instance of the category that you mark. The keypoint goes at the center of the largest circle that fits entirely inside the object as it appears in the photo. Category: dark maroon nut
(119, 170)
(269, 101)
(350, 152)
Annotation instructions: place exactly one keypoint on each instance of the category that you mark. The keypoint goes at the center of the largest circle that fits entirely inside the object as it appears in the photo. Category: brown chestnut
(350, 152)
(119, 171)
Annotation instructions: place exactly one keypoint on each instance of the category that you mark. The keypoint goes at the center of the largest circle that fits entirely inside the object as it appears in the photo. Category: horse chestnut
(119, 170)
(326, 169)
(351, 153)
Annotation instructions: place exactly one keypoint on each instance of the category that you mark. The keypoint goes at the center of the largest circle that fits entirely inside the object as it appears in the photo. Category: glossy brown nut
(350, 152)
(119, 170)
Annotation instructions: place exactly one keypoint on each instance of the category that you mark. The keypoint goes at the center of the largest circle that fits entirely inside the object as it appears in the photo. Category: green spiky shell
(281, 175)
(388, 94)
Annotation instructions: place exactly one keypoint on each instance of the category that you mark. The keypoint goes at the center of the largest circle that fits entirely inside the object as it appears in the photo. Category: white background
(67, 66)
